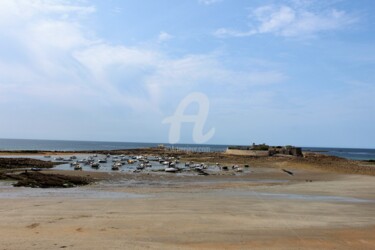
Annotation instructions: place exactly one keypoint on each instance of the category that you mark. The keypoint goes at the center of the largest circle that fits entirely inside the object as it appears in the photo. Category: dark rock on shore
(288, 172)
(13, 163)
(40, 180)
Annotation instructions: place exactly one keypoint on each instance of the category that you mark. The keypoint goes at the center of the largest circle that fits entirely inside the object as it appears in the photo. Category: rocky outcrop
(288, 150)
(13, 163)
(40, 180)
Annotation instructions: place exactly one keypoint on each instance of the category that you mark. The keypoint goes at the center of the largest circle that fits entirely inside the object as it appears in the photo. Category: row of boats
(171, 164)
(118, 162)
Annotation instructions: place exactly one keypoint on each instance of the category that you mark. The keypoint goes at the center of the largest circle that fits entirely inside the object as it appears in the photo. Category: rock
(12, 163)
(40, 180)
(288, 172)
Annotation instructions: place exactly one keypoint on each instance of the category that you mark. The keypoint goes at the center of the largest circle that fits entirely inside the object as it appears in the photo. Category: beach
(196, 124)
(261, 208)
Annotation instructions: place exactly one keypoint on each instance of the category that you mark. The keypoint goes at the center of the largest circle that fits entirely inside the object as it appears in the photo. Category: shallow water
(302, 197)
(107, 167)
(7, 191)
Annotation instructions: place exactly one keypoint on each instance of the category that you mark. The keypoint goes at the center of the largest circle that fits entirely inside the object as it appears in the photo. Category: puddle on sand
(304, 197)
(9, 192)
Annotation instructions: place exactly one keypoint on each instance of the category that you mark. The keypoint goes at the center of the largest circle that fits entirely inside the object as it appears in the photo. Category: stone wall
(247, 152)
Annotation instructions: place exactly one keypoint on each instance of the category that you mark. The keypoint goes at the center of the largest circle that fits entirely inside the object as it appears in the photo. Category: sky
(291, 72)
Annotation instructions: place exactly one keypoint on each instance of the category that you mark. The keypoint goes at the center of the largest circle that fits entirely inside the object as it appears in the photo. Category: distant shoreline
(30, 146)
(115, 151)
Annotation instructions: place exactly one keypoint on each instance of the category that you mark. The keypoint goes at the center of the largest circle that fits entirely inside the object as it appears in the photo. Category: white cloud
(59, 58)
(12, 11)
(209, 2)
(291, 21)
(164, 36)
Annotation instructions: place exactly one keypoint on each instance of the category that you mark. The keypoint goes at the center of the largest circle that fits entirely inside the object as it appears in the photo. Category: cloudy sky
(296, 72)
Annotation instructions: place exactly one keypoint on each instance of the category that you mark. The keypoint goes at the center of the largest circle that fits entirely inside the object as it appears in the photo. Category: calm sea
(58, 145)
(349, 153)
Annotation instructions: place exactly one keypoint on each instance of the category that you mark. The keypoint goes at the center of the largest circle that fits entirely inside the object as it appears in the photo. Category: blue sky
(296, 72)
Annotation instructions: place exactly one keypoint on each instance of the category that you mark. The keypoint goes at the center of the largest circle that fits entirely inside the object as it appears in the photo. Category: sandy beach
(262, 208)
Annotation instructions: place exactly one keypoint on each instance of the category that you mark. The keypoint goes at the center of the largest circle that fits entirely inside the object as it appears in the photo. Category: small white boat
(171, 170)
(118, 164)
(141, 166)
(95, 165)
(77, 167)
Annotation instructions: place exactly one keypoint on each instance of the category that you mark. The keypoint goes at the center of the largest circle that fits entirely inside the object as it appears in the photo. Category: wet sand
(262, 208)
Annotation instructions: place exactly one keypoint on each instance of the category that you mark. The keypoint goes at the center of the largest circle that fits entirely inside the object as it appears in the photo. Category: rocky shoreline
(42, 180)
(17, 163)
(26, 172)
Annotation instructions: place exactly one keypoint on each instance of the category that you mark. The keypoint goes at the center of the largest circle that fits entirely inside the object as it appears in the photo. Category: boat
(199, 166)
(171, 170)
(116, 165)
(77, 167)
(141, 166)
(95, 165)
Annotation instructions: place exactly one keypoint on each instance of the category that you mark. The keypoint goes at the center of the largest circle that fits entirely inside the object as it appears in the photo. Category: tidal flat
(261, 207)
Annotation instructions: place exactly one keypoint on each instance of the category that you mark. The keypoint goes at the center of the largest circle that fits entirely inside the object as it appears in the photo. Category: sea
(61, 145)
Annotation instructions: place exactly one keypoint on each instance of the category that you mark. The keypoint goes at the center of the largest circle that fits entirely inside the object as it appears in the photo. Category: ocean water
(59, 145)
(348, 153)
